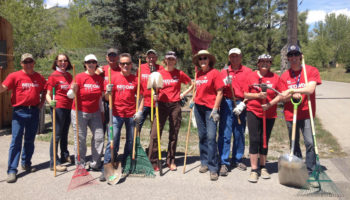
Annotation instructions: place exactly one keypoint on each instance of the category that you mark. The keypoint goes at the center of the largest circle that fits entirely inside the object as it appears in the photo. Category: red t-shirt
(113, 72)
(89, 92)
(123, 93)
(254, 105)
(207, 84)
(61, 82)
(290, 81)
(238, 78)
(26, 88)
(172, 85)
(145, 72)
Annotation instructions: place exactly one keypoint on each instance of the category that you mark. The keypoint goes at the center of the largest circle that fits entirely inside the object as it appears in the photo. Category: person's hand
(239, 108)
(183, 101)
(191, 104)
(215, 115)
(53, 103)
(227, 81)
(109, 88)
(296, 96)
(262, 95)
(266, 106)
(74, 87)
(138, 117)
(155, 97)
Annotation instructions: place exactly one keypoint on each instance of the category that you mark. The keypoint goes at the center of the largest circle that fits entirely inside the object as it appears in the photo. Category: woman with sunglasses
(169, 107)
(88, 88)
(209, 93)
(60, 79)
(260, 101)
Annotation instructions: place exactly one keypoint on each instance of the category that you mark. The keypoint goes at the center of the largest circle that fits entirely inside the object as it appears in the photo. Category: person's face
(203, 62)
(151, 58)
(28, 65)
(264, 65)
(170, 62)
(235, 59)
(294, 58)
(62, 62)
(91, 65)
(112, 58)
(125, 65)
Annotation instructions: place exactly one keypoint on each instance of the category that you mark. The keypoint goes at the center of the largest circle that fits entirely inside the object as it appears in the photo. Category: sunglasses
(112, 55)
(202, 58)
(62, 61)
(27, 61)
(91, 62)
(125, 63)
(293, 54)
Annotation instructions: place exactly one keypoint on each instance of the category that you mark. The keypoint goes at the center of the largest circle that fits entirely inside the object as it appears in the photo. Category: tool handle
(76, 116)
(233, 96)
(54, 132)
(295, 113)
(137, 106)
(264, 127)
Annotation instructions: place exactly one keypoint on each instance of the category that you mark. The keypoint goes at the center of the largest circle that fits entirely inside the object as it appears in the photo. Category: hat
(151, 51)
(112, 50)
(170, 54)
(90, 57)
(264, 56)
(235, 51)
(212, 59)
(26, 56)
(293, 48)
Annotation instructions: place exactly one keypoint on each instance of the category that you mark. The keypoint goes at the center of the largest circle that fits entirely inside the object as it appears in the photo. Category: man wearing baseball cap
(235, 77)
(296, 87)
(26, 86)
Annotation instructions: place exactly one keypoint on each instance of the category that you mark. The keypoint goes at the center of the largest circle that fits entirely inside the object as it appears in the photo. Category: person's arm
(3, 87)
(141, 104)
(218, 98)
(309, 89)
(42, 99)
(260, 95)
(188, 90)
(48, 96)
(273, 102)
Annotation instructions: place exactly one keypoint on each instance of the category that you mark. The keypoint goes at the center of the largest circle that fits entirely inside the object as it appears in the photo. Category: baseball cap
(26, 56)
(112, 50)
(293, 48)
(90, 57)
(235, 51)
(151, 51)
(265, 56)
(170, 54)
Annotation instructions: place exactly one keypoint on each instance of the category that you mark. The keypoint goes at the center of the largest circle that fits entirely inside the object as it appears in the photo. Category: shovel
(112, 175)
(155, 82)
(291, 169)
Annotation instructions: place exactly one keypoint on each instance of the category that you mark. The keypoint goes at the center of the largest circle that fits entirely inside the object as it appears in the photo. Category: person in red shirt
(27, 86)
(209, 92)
(112, 58)
(60, 79)
(123, 89)
(296, 88)
(169, 107)
(146, 70)
(229, 122)
(88, 88)
(259, 101)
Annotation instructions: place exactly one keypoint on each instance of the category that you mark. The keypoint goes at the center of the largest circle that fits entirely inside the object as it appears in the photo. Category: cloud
(319, 15)
(52, 3)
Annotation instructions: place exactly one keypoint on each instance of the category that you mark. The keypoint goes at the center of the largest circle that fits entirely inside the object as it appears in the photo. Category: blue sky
(317, 8)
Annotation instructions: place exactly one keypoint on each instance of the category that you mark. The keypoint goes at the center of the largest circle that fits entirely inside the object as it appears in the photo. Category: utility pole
(292, 29)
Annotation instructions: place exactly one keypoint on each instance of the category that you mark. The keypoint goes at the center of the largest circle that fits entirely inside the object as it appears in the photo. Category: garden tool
(54, 132)
(233, 94)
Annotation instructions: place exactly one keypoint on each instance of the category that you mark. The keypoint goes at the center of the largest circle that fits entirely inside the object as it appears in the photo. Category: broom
(81, 176)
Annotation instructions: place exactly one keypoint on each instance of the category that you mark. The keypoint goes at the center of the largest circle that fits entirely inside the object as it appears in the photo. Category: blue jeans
(117, 127)
(63, 119)
(24, 122)
(229, 126)
(146, 111)
(208, 148)
(305, 127)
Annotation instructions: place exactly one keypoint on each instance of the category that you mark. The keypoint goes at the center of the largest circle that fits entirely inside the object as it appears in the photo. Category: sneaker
(11, 178)
(240, 166)
(203, 169)
(214, 176)
(156, 168)
(265, 174)
(223, 170)
(59, 168)
(253, 178)
(28, 168)
(67, 159)
(102, 178)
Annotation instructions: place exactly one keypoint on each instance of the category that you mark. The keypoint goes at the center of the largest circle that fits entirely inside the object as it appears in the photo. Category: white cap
(90, 57)
(235, 51)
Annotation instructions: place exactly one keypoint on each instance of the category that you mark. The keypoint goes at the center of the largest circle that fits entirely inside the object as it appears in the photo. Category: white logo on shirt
(90, 87)
(301, 85)
(27, 86)
(170, 81)
(200, 82)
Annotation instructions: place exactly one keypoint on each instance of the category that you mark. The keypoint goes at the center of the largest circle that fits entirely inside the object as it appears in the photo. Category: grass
(335, 74)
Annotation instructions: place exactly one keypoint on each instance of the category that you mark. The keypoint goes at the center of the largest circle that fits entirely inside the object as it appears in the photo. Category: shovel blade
(113, 174)
(292, 171)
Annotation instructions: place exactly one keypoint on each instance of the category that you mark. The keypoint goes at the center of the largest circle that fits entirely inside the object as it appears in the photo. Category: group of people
(231, 98)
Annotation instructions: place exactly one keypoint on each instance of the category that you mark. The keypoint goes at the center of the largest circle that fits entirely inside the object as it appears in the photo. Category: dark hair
(54, 65)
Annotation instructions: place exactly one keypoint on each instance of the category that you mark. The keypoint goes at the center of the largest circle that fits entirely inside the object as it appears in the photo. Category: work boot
(28, 168)
(11, 178)
(253, 177)
(203, 169)
(102, 178)
(239, 166)
(67, 159)
(214, 176)
(264, 174)
(59, 168)
(223, 170)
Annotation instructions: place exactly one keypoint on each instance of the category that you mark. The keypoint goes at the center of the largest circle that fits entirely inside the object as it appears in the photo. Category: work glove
(227, 80)
(191, 104)
(183, 101)
(215, 115)
(138, 117)
(239, 108)
(109, 88)
(53, 103)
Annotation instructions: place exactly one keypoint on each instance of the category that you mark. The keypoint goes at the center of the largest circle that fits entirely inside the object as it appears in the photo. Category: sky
(317, 8)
